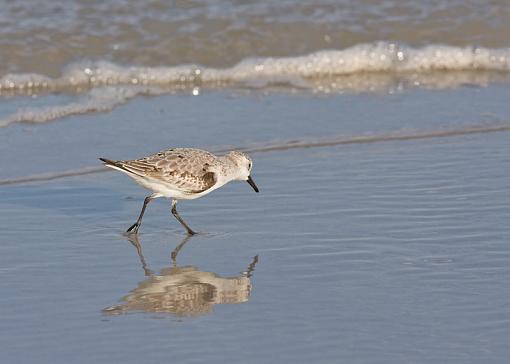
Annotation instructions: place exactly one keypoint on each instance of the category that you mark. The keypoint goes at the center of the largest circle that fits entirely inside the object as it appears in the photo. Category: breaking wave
(379, 66)
(378, 57)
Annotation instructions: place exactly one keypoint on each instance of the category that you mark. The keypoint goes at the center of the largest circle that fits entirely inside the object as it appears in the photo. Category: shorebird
(183, 174)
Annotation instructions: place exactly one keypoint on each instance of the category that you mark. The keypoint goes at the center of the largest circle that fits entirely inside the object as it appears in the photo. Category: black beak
(252, 184)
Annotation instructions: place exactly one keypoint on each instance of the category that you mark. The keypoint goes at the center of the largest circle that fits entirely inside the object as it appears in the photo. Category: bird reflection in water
(182, 291)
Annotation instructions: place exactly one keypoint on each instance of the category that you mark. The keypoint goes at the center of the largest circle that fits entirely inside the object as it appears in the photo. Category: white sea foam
(379, 57)
(366, 67)
(97, 100)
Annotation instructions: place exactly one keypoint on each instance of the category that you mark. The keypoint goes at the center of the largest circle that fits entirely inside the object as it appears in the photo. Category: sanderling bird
(183, 174)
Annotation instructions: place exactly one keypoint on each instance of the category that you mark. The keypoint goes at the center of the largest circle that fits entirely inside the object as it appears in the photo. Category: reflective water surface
(392, 251)
(183, 291)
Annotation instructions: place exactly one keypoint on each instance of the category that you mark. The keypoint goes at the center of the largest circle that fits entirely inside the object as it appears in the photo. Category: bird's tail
(122, 166)
(109, 162)
(114, 164)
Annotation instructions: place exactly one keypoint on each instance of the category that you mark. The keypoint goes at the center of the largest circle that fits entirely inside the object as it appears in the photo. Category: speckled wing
(185, 168)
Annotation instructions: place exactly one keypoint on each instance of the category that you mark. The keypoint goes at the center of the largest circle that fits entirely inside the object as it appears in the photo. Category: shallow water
(380, 138)
(392, 251)
(145, 126)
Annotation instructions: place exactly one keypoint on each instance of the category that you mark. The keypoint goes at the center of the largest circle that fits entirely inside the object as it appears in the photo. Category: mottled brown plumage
(183, 174)
(185, 168)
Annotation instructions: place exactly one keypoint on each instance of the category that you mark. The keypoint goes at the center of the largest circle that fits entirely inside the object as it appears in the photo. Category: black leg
(252, 265)
(133, 239)
(134, 228)
(178, 248)
(176, 214)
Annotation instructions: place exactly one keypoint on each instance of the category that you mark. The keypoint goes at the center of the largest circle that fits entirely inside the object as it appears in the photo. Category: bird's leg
(252, 265)
(178, 248)
(133, 239)
(134, 228)
(176, 214)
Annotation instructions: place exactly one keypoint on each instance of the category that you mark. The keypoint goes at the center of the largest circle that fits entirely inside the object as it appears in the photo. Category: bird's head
(244, 165)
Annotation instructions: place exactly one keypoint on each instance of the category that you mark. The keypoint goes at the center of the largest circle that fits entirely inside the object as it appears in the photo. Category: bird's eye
(249, 165)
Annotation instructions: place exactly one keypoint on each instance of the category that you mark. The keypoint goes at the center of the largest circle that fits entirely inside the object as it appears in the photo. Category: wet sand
(392, 251)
